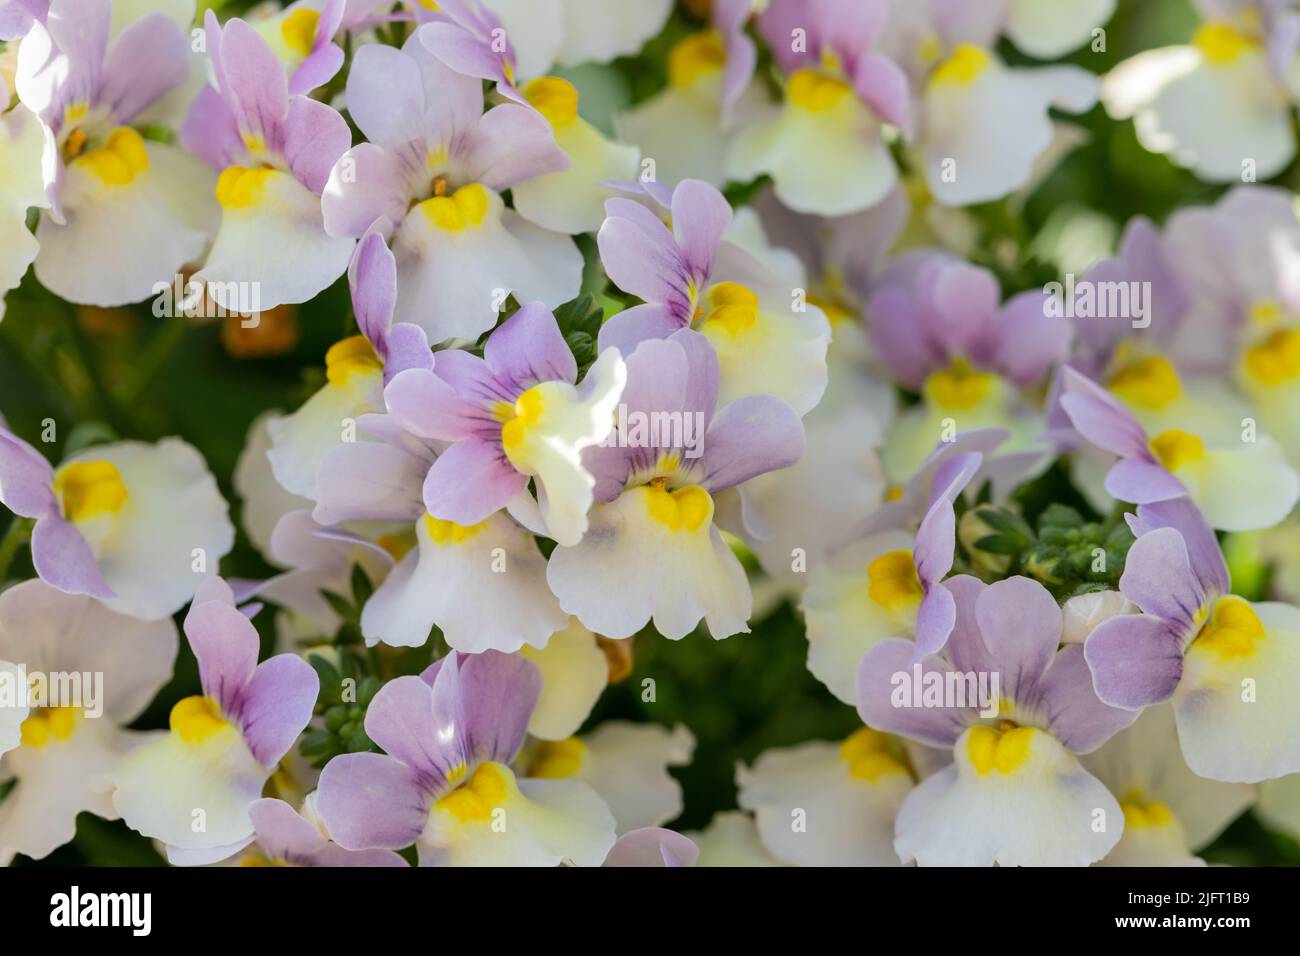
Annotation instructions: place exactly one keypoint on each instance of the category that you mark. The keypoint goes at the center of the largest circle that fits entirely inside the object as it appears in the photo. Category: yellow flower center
(448, 532)
(1221, 43)
(122, 157)
(1234, 629)
(892, 581)
(963, 68)
(816, 91)
(1176, 448)
(869, 756)
(1276, 359)
(89, 489)
(1005, 751)
(48, 725)
(239, 187)
(349, 357)
(195, 719)
(526, 413)
(732, 307)
(476, 799)
(556, 759)
(700, 54)
(1150, 382)
(686, 509)
(554, 98)
(1139, 814)
(959, 388)
(463, 209)
(299, 30)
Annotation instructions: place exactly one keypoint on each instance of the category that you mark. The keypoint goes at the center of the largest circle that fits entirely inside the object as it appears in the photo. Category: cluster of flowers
(538, 487)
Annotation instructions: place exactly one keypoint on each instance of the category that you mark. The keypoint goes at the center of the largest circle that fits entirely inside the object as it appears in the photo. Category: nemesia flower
(517, 413)
(264, 500)
(274, 151)
(67, 750)
(356, 369)
(849, 794)
(839, 93)
(1227, 663)
(1239, 486)
(901, 592)
(483, 585)
(22, 142)
(286, 837)
(937, 324)
(651, 550)
(126, 213)
(686, 128)
(625, 763)
(572, 200)
(1222, 104)
(575, 670)
(431, 176)
(690, 278)
(192, 786)
(302, 37)
(1169, 812)
(445, 783)
(1025, 756)
(134, 525)
(980, 126)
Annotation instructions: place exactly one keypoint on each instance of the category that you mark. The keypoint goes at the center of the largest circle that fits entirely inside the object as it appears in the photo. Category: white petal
(172, 531)
(265, 501)
(1279, 804)
(486, 592)
(630, 568)
(681, 130)
(1243, 487)
(273, 251)
(122, 243)
(1046, 29)
(535, 29)
(812, 811)
(731, 839)
(1047, 812)
(573, 201)
(598, 31)
(574, 672)
(1239, 716)
(299, 441)
(13, 704)
(627, 764)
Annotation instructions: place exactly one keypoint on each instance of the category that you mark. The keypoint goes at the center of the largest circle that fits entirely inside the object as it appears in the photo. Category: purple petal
(494, 694)
(63, 559)
(369, 481)
(251, 79)
(1020, 623)
(1100, 418)
(653, 846)
(1075, 715)
(751, 436)
(401, 719)
(629, 328)
(641, 257)
(700, 217)
(371, 801)
(1136, 660)
(375, 193)
(147, 60)
(528, 348)
(408, 348)
(420, 401)
(512, 144)
(282, 832)
(1142, 482)
(315, 136)
(26, 479)
(225, 643)
(1158, 577)
(277, 705)
(889, 666)
(372, 280)
(1202, 546)
(471, 481)
(883, 86)
(210, 131)
(934, 621)
(1029, 341)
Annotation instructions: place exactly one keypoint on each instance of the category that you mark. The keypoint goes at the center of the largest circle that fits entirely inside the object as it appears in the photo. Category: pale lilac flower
(430, 178)
(888, 584)
(652, 550)
(1024, 756)
(66, 750)
(126, 213)
(1239, 485)
(824, 146)
(1228, 664)
(287, 837)
(653, 847)
(939, 326)
(127, 523)
(223, 744)
(1169, 812)
(445, 783)
(274, 151)
(302, 36)
(690, 277)
(514, 415)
